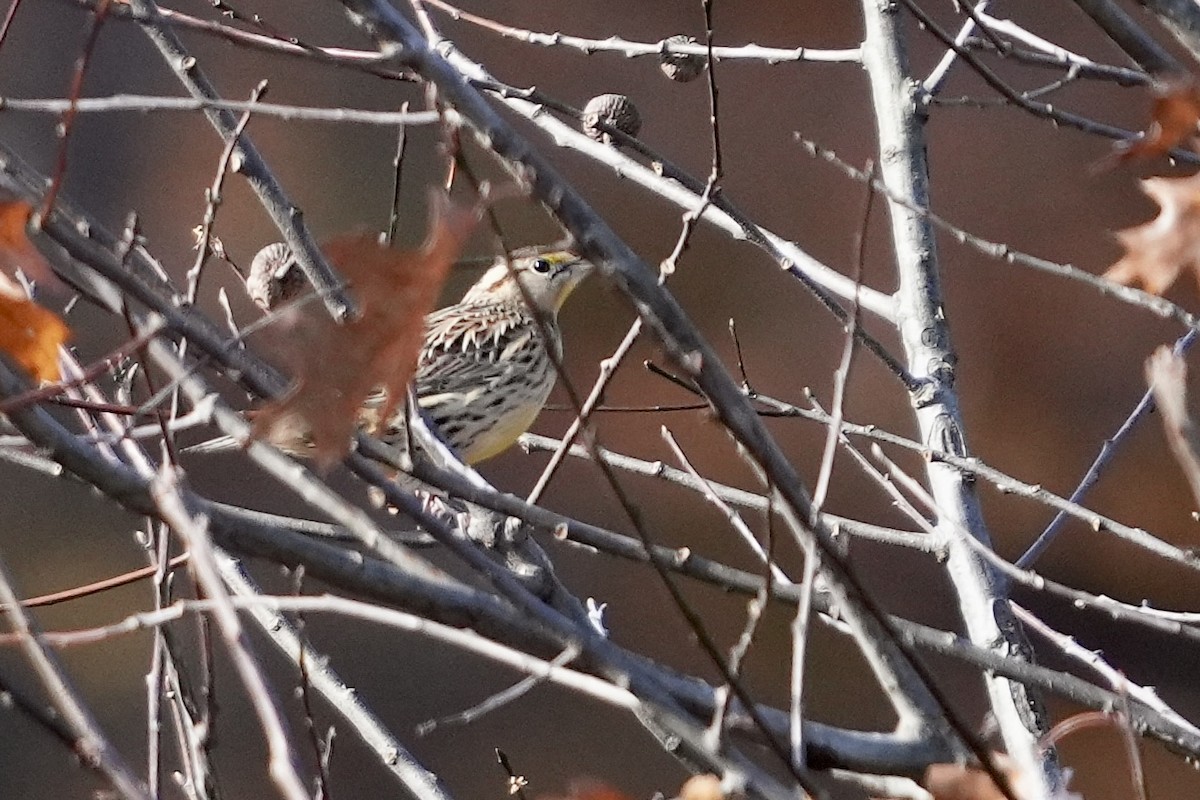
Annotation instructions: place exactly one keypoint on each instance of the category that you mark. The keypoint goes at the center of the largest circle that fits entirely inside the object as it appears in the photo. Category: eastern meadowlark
(485, 370)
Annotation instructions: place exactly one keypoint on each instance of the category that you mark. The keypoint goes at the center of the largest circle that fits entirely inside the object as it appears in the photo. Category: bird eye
(541, 265)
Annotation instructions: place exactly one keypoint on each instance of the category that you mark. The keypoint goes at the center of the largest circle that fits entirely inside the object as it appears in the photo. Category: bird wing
(491, 333)
(447, 382)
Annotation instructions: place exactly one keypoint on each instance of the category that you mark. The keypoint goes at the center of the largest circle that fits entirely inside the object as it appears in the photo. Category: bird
(486, 366)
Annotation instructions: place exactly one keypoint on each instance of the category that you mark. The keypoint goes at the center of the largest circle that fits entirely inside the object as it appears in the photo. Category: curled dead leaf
(1158, 251)
(16, 251)
(31, 335)
(336, 366)
(1172, 120)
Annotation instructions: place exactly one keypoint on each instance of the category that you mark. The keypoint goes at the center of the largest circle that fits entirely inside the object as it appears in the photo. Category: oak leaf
(1158, 251)
(16, 251)
(29, 333)
(1173, 119)
(336, 366)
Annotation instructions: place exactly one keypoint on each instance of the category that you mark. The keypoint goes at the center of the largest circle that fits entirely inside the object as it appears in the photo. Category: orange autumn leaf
(31, 335)
(1174, 117)
(16, 251)
(1158, 251)
(337, 366)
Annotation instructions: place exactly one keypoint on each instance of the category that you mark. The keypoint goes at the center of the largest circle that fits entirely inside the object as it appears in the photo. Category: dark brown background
(1047, 369)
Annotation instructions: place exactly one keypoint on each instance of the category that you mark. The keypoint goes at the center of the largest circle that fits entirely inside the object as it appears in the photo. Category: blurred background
(1047, 369)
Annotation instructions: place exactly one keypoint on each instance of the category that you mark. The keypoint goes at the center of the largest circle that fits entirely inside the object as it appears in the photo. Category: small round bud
(616, 110)
(274, 277)
(682, 67)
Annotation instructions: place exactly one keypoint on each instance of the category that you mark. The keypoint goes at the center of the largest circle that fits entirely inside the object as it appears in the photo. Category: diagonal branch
(1126, 34)
(283, 211)
(923, 706)
(77, 722)
(420, 782)
(1181, 18)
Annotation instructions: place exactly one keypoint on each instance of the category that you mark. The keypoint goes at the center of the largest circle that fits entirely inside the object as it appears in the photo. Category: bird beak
(579, 269)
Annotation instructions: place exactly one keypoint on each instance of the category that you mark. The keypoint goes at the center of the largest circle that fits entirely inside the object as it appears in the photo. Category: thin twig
(88, 741)
(397, 171)
(1108, 451)
(143, 104)
(96, 587)
(213, 199)
(287, 215)
(67, 124)
(842, 375)
(937, 77)
(497, 700)
(752, 52)
(1159, 306)
(9, 16)
(281, 764)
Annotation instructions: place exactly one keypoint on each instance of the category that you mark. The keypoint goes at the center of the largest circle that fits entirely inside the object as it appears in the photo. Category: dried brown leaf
(28, 333)
(1158, 251)
(1173, 119)
(965, 782)
(16, 251)
(1166, 373)
(31, 335)
(337, 366)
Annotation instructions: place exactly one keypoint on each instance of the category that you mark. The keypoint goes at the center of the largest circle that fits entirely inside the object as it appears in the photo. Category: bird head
(548, 277)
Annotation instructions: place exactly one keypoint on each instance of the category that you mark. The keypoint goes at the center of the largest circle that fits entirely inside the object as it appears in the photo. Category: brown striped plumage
(485, 372)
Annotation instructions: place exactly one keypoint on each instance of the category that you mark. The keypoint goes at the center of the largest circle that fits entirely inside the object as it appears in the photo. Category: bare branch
(982, 599)
(1126, 34)
(88, 741)
(283, 211)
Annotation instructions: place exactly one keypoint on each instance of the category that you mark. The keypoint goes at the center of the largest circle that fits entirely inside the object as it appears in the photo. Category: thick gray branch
(1181, 18)
(981, 592)
(663, 315)
(1126, 34)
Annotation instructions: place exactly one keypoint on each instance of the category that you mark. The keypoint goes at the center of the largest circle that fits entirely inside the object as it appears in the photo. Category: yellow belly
(501, 436)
